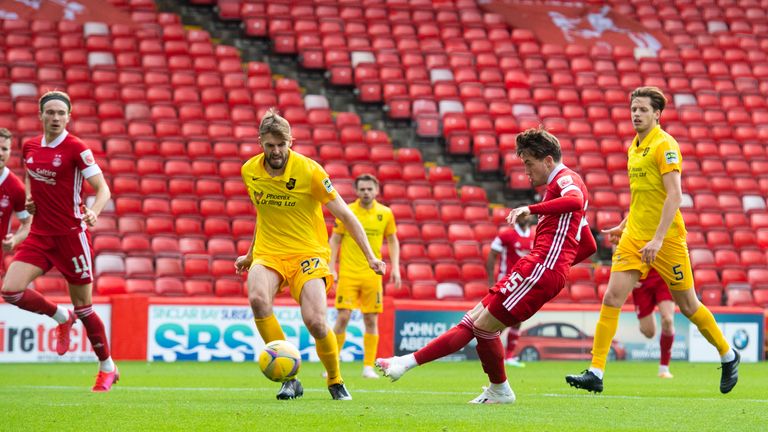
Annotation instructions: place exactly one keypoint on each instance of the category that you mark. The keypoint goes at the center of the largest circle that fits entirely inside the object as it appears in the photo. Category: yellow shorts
(365, 294)
(296, 270)
(672, 262)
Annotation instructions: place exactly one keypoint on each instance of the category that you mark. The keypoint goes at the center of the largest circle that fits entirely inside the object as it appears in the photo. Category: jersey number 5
(310, 264)
(512, 283)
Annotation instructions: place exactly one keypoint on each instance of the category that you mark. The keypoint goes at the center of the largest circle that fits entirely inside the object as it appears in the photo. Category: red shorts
(521, 294)
(72, 254)
(652, 292)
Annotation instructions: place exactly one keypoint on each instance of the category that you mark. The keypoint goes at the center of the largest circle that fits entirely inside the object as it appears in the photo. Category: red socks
(512, 337)
(95, 330)
(491, 353)
(665, 344)
(32, 301)
(447, 343)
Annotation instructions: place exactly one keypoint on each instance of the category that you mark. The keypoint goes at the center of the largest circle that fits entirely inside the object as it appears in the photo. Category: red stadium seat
(423, 289)
(419, 271)
(584, 293)
(447, 272)
(467, 251)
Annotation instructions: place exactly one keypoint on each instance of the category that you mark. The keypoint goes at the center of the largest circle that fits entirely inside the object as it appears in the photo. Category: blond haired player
(652, 236)
(358, 286)
(290, 244)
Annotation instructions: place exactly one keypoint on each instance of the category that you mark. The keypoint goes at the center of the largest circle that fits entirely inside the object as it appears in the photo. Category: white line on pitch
(229, 389)
(708, 399)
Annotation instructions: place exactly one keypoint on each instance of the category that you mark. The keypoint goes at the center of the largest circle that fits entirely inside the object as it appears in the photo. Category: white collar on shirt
(559, 167)
(55, 142)
(4, 175)
(522, 233)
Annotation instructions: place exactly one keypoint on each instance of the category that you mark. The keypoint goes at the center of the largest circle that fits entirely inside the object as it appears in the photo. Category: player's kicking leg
(447, 343)
(19, 276)
(263, 283)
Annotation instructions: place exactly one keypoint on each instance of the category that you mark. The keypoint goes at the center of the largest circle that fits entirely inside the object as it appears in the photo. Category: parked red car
(560, 341)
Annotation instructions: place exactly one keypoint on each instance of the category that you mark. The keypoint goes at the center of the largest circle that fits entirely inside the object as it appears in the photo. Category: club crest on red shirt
(564, 181)
(87, 157)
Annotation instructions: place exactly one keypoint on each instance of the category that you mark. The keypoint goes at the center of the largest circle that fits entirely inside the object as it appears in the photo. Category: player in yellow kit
(652, 236)
(290, 244)
(358, 286)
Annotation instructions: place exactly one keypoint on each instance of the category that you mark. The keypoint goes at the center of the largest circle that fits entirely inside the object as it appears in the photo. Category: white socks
(62, 315)
(409, 361)
(728, 357)
(598, 372)
(502, 388)
(663, 369)
(107, 365)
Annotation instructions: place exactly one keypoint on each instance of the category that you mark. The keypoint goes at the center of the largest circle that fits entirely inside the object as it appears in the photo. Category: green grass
(234, 396)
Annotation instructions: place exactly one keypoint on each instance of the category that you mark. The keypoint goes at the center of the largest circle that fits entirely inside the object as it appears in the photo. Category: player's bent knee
(317, 327)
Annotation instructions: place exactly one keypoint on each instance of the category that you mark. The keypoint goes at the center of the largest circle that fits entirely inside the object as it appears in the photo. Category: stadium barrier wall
(211, 329)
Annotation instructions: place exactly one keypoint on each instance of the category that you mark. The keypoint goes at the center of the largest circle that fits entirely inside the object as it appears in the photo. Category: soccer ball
(280, 361)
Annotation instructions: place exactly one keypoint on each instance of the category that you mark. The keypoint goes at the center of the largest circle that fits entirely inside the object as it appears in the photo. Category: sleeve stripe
(569, 188)
(91, 171)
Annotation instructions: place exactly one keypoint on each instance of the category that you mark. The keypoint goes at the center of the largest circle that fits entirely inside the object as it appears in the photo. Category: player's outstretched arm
(339, 209)
(671, 205)
(103, 195)
(571, 201)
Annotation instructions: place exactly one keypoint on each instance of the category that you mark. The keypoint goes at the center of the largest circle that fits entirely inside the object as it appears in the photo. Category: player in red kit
(649, 293)
(57, 163)
(562, 239)
(511, 244)
(12, 200)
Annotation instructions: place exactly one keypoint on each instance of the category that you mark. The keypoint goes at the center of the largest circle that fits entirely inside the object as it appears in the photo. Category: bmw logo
(740, 339)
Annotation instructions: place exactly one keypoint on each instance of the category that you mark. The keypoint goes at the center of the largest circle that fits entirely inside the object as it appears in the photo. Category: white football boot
(392, 367)
(490, 396)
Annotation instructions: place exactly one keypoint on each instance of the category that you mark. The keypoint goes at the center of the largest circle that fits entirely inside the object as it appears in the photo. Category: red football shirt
(56, 172)
(12, 198)
(512, 244)
(558, 233)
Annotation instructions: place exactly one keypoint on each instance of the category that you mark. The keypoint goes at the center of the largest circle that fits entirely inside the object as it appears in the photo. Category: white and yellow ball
(280, 361)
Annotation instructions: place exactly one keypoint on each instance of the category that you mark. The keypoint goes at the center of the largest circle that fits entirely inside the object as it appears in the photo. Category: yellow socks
(328, 352)
(269, 329)
(604, 332)
(707, 325)
(370, 345)
(340, 338)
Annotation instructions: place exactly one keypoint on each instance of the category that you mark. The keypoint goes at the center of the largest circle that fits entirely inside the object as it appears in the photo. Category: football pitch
(235, 396)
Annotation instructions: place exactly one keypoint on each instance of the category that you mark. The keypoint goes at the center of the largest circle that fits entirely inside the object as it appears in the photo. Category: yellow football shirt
(289, 217)
(657, 155)
(378, 222)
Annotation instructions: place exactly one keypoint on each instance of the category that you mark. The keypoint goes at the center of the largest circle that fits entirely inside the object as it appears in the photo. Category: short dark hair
(5, 134)
(538, 143)
(366, 177)
(658, 100)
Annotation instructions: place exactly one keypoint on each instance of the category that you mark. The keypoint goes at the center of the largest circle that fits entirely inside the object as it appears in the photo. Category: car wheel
(612, 354)
(529, 354)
